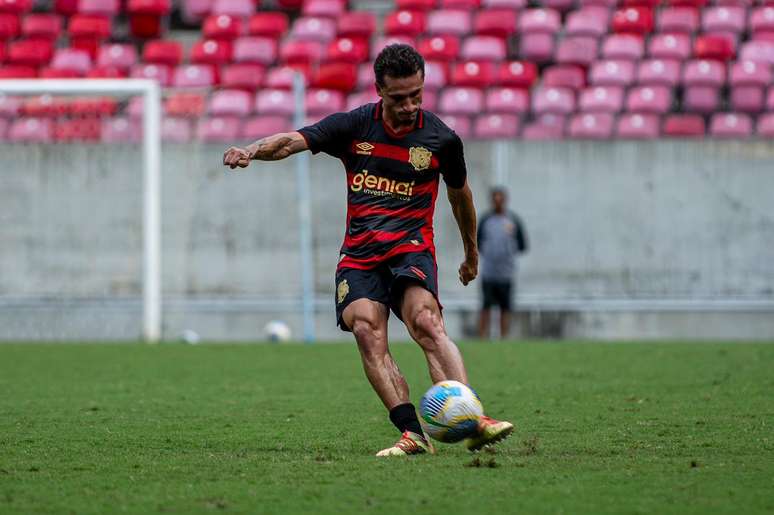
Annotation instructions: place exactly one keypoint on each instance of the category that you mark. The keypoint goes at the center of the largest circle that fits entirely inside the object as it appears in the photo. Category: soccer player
(394, 154)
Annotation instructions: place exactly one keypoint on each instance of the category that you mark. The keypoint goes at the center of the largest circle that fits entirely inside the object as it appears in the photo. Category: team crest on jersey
(342, 291)
(364, 148)
(420, 158)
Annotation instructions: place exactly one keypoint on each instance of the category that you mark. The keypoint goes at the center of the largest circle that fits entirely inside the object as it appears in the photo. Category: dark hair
(499, 190)
(398, 61)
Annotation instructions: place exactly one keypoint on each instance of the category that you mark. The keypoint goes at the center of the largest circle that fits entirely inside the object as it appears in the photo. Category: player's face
(402, 97)
(498, 201)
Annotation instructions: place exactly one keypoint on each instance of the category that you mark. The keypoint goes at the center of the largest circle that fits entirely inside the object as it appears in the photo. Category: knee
(370, 337)
(428, 326)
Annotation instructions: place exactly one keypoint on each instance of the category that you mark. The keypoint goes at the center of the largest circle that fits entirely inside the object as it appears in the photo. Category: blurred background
(634, 138)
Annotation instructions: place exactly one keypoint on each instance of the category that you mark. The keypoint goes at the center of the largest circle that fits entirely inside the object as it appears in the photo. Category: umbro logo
(364, 149)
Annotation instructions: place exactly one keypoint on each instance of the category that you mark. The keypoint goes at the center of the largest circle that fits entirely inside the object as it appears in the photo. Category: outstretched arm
(461, 200)
(272, 148)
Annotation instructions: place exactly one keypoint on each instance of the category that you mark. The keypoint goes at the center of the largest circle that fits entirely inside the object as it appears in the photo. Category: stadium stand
(550, 69)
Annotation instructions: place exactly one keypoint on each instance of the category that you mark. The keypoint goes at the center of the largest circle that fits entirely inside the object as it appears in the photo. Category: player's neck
(395, 125)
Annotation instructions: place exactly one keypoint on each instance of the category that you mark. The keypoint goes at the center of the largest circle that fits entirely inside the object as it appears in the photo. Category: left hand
(468, 270)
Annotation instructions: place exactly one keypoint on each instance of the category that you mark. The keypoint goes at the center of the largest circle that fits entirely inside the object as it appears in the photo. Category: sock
(404, 416)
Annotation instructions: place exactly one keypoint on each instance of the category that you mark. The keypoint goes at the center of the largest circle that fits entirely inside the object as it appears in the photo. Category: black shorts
(497, 293)
(386, 283)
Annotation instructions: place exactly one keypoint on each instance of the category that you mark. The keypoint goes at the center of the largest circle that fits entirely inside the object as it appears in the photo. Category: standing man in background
(501, 236)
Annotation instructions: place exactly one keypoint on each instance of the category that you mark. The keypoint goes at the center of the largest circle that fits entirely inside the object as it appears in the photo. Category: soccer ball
(277, 331)
(450, 411)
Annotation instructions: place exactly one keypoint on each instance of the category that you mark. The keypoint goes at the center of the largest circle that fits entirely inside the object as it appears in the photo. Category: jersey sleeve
(453, 162)
(332, 134)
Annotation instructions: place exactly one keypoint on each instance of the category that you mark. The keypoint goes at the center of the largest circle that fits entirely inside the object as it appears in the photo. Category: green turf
(602, 428)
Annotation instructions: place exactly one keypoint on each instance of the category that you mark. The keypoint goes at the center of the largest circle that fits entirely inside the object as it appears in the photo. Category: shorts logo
(420, 158)
(419, 273)
(342, 291)
(364, 149)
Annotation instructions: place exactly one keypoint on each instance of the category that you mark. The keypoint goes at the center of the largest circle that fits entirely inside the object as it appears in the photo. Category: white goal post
(151, 151)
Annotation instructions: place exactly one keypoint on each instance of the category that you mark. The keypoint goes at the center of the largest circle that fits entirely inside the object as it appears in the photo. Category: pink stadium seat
(218, 129)
(440, 48)
(268, 24)
(211, 51)
(724, 18)
(193, 76)
(41, 26)
(159, 72)
(231, 102)
(9, 106)
(239, 8)
(750, 73)
(136, 107)
(9, 26)
(637, 126)
(175, 130)
(356, 100)
(765, 126)
(537, 47)
(623, 46)
(587, 21)
(564, 76)
(313, 29)
(185, 105)
(670, 46)
(404, 23)
(553, 100)
(678, 19)
(77, 61)
(747, 99)
(459, 124)
(262, 126)
(484, 48)
(770, 100)
(346, 49)
(30, 52)
(507, 100)
(495, 126)
(476, 74)
(116, 55)
(435, 75)
(307, 52)
(520, 74)
(580, 50)
(730, 125)
(649, 99)
(58, 73)
(540, 20)
(500, 23)
(163, 52)
(762, 19)
(461, 101)
(99, 7)
(4, 124)
(597, 126)
(633, 20)
(281, 77)
(324, 8)
(504, 4)
(365, 77)
(416, 5)
(247, 76)
(545, 127)
(704, 73)
(452, 22)
(655, 72)
(120, 130)
(559, 5)
(255, 49)
(275, 101)
(605, 99)
(713, 47)
(761, 51)
(356, 24)
(430, 101)
(31, 130)
(701, 99)
(222, 26)
(684, 126)
(324, 101)
(612, 73)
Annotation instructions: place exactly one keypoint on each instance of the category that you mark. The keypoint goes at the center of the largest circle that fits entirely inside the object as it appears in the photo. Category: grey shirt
(500, 238)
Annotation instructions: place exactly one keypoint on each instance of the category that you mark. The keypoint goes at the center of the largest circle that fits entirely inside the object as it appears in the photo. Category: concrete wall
(642, 221)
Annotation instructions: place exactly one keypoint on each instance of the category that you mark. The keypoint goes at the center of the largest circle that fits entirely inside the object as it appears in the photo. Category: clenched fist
(236, 156)
(468, 271)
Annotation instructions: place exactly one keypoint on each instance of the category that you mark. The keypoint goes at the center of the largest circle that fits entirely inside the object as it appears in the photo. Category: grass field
(602, 428)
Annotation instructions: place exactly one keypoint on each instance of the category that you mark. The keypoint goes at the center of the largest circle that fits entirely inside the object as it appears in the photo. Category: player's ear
(378, 90)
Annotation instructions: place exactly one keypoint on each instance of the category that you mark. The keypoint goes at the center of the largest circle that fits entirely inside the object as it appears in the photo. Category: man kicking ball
(394, 154)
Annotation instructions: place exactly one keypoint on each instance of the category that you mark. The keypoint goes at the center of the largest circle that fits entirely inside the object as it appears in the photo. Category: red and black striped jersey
(392, 180)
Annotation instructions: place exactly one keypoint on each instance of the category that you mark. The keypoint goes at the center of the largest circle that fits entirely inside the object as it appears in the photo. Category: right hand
(236, 156)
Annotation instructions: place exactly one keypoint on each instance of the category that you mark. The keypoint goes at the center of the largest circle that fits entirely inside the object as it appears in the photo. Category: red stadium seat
(275, 102)
(66, 7)
(356, 24)
(537, 47)
(724, 19)
(230, 102)
(750, 73)
(678, 20)
(46, 105)
(649, 99)
(436, 75)
(464, 5)
(145, 17)
(540, 20)
(605, 99)
(461, 101)
(765, 127)
(324, 8)
(175, 130)
(545, 127)
(163, 52)
(564, 76)
(117, 55)
(701, 99)
(476, 74)
(339, 76)
(637, 126)
(15, 6)
(187, 105)
(85, 129)
(159, 72)
(553, 101)
(31, 130)
(623, 46)
(440, 48)
(459, 124)
(305, 52)
(313, 29)
(88, 26)
(520, 74)
(670, 46)
(222, 26)
(507, 100)
(53, 73)
(93, 106)
(255, 49)
(33, 52)
(268, 24)
(349, 50)
(99, 7)
(262, 126)
(77, 61)
(713, 47)
(194, 76)
(238, 8)
(108, 72)
(730, 125)
(587, 21)
(658, 72)
(42, 26)
(211, 51)
(416, 5)
(9, 26)
(612, 73)
(747, 99)
(449, 22)
(221, 129)
(579, 50)
(686, 3)
(594, 126)
(322, 102)
(18, 72)
(484, 48)
(684, 126)
(633, 20)
(495, 22)
(495, 126)
(704, 73)
(246, 76)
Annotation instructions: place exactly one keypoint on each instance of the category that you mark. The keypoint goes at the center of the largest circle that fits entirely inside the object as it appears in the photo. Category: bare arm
(461, 200)
(272, 148)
